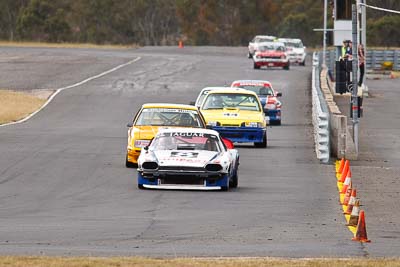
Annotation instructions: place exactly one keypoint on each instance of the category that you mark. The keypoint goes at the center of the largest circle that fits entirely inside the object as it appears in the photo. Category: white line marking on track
(72, 86)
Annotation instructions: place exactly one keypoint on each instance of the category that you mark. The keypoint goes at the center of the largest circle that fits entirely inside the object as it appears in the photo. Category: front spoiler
(182, 187)
(272, 63)
(241, 134)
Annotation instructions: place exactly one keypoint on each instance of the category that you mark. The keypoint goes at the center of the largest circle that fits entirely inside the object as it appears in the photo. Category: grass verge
(188, 262)
(15, 106)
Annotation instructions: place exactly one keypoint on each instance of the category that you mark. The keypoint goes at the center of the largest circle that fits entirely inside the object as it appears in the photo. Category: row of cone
(349, 201)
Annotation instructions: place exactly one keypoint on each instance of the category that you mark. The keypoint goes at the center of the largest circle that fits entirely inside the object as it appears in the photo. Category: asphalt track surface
(64, 189)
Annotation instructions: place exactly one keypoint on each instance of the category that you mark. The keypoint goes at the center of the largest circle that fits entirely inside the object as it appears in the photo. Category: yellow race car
(236, 114)
(151, 117)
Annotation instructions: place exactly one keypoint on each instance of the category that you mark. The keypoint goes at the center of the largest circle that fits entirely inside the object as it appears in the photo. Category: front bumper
(271, 62)
(183, 180)
(274, 115)
(297, 58)
(241, 134)
(133, 154)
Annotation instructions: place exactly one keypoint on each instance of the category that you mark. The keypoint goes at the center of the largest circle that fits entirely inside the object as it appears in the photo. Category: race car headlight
(213, 123)
(150, 165)
(252, 124)
(142, 143)
(213, 167)
(278, 104)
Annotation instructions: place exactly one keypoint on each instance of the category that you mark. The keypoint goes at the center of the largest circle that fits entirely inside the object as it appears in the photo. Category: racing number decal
(191, 155)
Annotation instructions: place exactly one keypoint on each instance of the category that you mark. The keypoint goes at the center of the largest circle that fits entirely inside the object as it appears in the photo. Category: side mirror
(209, 127)
(129, 124)
(146, 148)
(279, 94)
(228, 143)
(192, 103)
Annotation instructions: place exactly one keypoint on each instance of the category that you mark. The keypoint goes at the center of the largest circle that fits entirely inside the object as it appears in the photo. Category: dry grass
(188, 262)
(65, 45)
(17, 105)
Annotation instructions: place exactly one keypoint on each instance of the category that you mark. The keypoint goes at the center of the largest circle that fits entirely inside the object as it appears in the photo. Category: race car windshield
(258, 89)
(169, 117)
(295, 45)
(239, 101)
(186, 141)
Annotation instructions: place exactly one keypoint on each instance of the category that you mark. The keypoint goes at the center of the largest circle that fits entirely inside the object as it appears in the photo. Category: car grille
(274, 57)
(182, 179)
(230, 125)
(181, 168)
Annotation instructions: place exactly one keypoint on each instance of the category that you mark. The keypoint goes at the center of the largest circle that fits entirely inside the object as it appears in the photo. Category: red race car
(271, 54)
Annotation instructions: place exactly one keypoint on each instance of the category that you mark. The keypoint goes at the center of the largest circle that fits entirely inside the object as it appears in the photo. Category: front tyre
(262, 144)
(234, 181)
(129, 164)
(255, 66)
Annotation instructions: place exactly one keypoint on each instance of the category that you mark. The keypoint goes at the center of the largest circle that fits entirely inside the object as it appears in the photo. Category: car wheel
(278, 122)
(129, 164)
(262, 144)
(234, 181)
(303, 63)
(286, 67)
(256, 67)
(249, 55)
(140, 186)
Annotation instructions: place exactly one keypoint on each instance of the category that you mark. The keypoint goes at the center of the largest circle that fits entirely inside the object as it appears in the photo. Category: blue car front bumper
(242, 134)
(273, 114)
(184, 181)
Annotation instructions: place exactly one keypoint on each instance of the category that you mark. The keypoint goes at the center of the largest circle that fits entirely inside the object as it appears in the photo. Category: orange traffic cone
(346, 169)
(353, 221)
(180, 44)
(361, 232)
(347, 197)
(343, 172)
(347, 183)
(340, 166)
(351, 203)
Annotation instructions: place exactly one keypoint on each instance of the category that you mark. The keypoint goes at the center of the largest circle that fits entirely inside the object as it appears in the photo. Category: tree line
(165, 22)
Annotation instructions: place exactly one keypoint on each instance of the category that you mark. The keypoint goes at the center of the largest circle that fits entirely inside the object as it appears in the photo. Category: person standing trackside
(361, 63)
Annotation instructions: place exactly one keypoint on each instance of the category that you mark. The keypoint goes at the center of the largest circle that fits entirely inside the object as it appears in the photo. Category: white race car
(188, 158)
(253, 44)
(295, 49)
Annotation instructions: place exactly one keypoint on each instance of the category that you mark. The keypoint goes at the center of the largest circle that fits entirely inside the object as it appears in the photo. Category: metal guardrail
(320, 115)
(374, 59)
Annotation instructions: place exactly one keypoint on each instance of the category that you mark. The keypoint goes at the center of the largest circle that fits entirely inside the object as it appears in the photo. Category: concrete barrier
(341, 141)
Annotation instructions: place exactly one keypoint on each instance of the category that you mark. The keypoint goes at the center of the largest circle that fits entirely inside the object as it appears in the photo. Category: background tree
(164, 22)
(9, 11)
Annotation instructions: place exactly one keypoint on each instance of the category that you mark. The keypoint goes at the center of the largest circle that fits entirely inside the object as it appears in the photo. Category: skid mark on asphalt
(72, 86)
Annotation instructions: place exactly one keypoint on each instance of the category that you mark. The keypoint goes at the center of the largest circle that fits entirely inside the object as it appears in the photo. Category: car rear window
(169, 117)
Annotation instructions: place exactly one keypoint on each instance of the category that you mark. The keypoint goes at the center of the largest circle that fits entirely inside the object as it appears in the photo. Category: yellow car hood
(145, 132)
(233, 116)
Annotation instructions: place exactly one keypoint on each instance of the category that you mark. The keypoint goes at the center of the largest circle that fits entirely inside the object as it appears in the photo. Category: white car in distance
(296, 51)
(253, 44)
